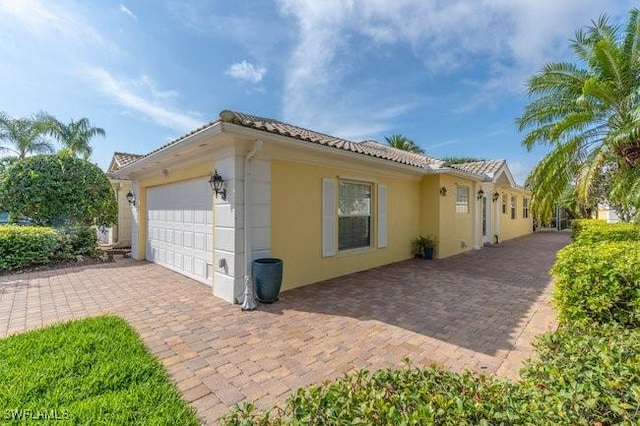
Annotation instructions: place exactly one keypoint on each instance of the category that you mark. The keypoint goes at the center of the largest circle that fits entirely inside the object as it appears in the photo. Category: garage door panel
(180, 228)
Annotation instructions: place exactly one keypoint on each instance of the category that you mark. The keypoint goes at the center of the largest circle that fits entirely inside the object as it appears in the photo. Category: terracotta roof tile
(370, 148)
(482, 168)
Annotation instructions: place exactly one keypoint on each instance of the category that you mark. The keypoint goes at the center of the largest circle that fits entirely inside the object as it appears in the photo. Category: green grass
(90, 372)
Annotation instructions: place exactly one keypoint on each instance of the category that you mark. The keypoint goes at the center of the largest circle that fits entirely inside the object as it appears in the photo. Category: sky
(448, 74)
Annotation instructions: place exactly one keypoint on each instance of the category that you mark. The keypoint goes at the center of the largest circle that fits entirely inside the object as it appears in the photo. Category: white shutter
(382, 216)
(328, 217)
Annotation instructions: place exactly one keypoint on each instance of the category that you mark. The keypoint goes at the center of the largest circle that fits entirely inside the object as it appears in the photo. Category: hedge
(25, 246)
(587, 231)
(22, 246)
(586, 376)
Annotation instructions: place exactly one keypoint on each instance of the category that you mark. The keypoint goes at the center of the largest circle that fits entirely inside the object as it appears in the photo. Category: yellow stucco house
(325, 205)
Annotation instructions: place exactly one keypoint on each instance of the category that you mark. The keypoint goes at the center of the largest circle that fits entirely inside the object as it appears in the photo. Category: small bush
(23, 246)
(587, 231)
(586, 376)
(598, 283)
(82, 240)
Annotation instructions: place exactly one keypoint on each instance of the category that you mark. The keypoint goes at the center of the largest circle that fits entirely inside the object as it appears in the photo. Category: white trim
(382, 216)
(328, 217)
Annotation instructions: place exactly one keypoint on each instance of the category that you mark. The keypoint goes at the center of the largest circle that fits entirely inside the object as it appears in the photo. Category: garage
(180, 228)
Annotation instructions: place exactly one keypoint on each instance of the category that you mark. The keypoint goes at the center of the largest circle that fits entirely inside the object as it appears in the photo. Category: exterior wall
(455, 230)
(513, 228)
(119, 235)
(296, 223)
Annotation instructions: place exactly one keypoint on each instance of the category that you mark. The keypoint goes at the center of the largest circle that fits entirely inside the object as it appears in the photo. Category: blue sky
(447, 74)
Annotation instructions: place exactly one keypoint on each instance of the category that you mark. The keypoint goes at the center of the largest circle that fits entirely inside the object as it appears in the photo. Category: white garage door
(180, 228)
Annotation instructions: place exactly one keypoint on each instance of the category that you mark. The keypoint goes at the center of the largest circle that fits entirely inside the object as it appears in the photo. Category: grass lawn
(95, 372)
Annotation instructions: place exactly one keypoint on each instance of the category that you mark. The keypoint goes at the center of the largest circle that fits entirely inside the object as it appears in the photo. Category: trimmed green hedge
(586, 376)
(22, 246)
(25, 246)
(598, 282)
(586, 231)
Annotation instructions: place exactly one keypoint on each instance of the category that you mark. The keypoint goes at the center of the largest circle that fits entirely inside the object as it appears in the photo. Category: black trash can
(267, 275)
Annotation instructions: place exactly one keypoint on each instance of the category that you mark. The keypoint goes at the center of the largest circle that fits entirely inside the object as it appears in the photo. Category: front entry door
(485, 222)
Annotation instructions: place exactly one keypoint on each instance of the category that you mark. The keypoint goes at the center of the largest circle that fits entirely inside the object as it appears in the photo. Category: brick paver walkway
(479, 310)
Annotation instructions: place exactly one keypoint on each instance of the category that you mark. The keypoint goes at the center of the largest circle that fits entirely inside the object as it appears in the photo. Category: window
(354, 215)
(504, 203)
(462, 202)
(513, 207)
(525, 208)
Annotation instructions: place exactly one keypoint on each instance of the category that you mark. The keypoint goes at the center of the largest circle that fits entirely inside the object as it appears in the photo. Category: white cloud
(246, 71)
(124, 9)
(46, 20)
(151, 106)
(442, 144)
(510, 39)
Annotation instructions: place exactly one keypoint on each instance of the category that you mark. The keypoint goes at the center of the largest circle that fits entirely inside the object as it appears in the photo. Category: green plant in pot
(424, 247)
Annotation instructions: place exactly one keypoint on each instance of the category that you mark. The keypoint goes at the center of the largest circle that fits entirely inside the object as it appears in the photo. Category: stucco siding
(296, 222)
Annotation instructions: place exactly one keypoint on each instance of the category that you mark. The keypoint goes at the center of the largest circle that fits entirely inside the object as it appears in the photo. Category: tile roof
(369, 148)
(482, 168)
(121, 159)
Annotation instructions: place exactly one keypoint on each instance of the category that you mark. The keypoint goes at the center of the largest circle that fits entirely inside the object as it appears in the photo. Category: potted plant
(424, 246)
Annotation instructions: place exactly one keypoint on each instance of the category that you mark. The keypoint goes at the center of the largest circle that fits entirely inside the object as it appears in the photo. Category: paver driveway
(478, 310)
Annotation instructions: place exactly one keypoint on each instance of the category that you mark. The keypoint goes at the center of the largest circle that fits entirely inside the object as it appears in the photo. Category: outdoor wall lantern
(495, 196)
(443, 191)
(480, 194)
(131, 198)
(217, 185)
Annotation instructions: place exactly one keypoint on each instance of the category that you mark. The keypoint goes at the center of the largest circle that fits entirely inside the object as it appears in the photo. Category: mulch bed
(59, 265)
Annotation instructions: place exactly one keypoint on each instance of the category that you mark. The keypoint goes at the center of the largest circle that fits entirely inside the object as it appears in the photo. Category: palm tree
(23, 136)
(403, 143)
(587, 112)
(75, 137)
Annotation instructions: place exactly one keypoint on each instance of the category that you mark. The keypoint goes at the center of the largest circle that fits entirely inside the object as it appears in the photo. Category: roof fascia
(185, 142)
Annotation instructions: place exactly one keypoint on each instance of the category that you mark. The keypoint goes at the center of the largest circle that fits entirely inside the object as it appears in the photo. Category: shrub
(586, 376)
(587, 231)
(23, 246)
(405, 396)
(57, 190)
(81, 240)
(598, 283)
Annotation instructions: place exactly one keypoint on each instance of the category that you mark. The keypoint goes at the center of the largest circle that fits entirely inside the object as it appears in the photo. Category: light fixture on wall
(443, 191)
(131, 198)
(480, 194)
(217, 185)
(495, 196)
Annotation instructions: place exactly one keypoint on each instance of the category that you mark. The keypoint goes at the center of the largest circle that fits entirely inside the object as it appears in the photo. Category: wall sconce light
(217, 185)
(131, 198)
(443, 191)
(480, 194)
(495, 196)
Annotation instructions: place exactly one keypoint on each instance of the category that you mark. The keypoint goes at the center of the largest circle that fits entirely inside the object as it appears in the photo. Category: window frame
(525, 208)
(514, 207)
(462, 205)
(372, 206)
(504, 203)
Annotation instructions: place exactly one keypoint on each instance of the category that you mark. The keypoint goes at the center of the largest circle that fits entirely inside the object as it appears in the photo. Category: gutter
(249, 303)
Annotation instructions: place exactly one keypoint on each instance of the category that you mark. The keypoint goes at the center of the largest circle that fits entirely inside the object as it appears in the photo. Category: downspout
(249, 302)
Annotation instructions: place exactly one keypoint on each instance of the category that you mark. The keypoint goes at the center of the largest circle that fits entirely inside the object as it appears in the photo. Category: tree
(588, 113)
(403, 143)
(23, 136)
(75, 137)
(461, 160)
(55, 190)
